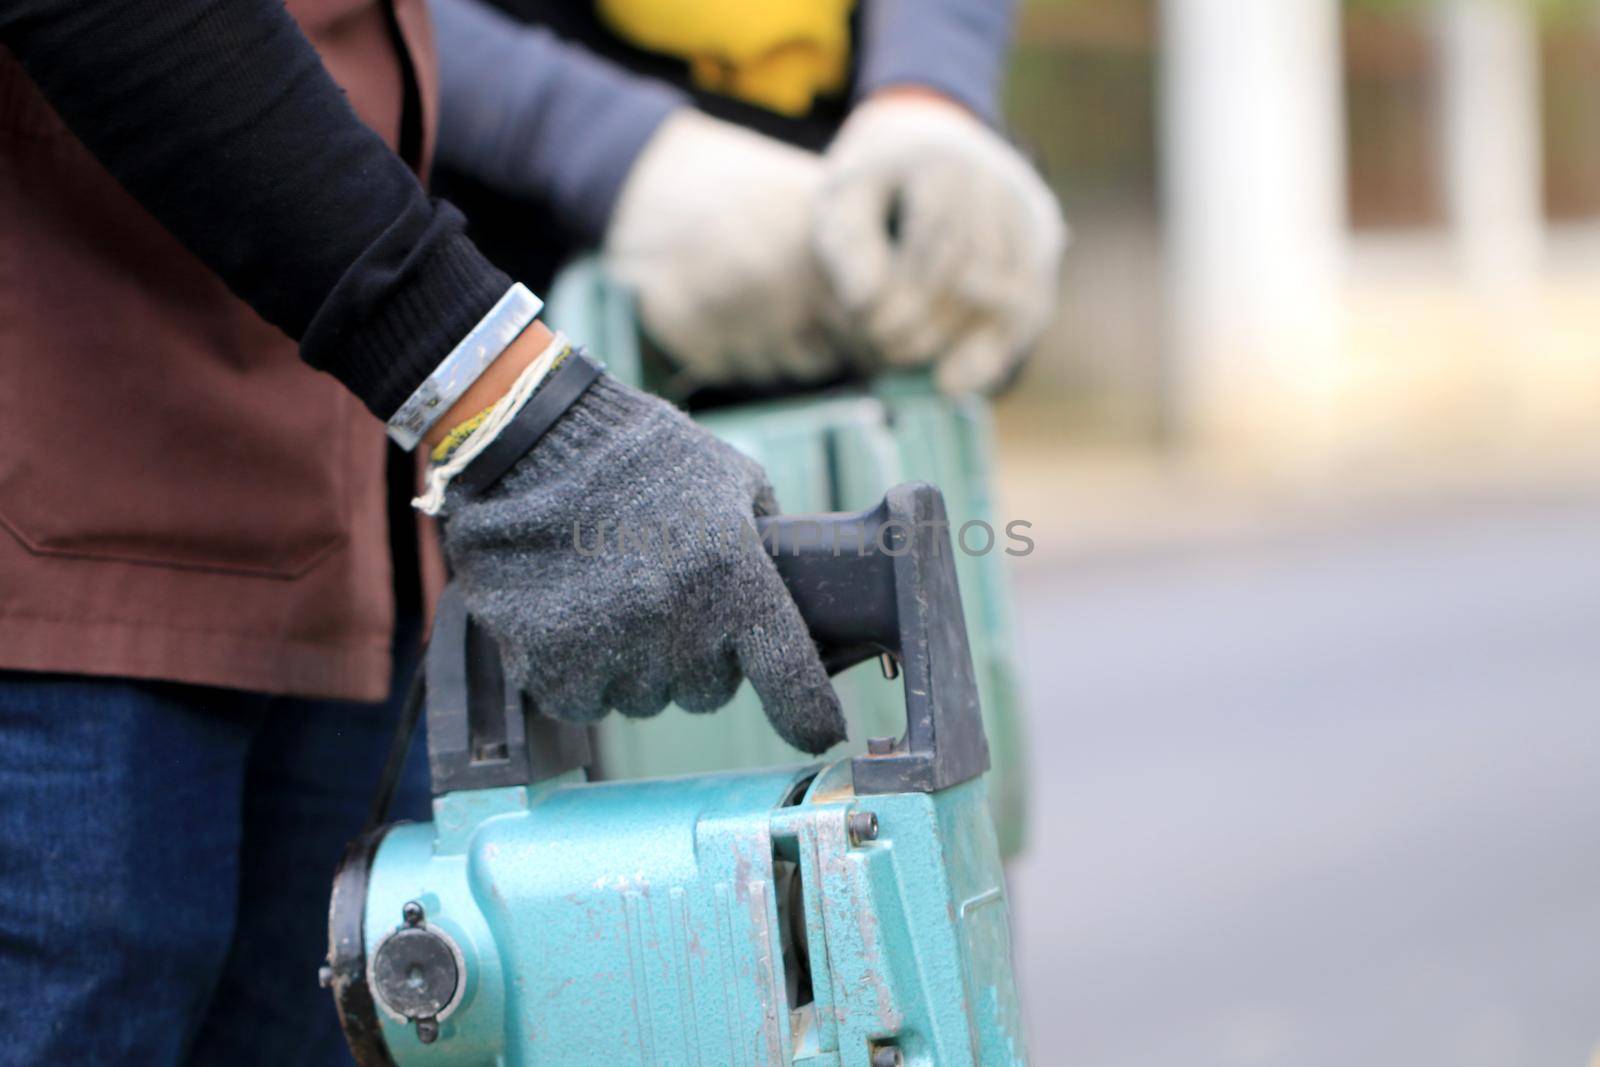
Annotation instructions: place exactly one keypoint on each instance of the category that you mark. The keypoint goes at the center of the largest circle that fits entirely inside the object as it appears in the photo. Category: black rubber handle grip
(839, 568)
(884, 580)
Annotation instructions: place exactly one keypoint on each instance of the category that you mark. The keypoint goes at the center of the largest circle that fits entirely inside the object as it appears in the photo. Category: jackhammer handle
(884, 580)
(838, 569)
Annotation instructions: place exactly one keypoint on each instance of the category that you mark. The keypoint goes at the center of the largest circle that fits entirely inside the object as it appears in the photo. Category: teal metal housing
(723, 919)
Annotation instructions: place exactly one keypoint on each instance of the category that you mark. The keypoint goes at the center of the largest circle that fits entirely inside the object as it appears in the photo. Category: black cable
(399, 748)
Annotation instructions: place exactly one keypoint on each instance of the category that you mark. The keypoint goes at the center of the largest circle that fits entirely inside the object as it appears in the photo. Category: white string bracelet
(440, 474)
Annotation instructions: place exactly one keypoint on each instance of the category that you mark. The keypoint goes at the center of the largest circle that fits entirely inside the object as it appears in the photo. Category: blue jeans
(166, 853)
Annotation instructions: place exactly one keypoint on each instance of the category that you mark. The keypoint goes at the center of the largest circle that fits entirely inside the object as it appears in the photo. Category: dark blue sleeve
(955, 46)
(526, 112)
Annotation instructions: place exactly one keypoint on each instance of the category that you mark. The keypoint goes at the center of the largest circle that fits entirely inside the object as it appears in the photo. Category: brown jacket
(180, 497)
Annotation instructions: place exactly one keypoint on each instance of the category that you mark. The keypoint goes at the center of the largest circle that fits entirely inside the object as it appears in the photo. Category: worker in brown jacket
(220, 282)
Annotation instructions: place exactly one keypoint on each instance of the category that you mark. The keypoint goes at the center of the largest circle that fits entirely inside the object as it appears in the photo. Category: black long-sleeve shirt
(218, 116)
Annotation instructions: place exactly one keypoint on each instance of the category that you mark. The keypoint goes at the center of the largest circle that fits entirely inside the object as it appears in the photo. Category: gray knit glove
(615, 568)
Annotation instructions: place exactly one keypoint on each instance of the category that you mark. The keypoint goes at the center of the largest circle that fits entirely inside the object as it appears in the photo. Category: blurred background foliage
(1083, 97)
(1556, 10)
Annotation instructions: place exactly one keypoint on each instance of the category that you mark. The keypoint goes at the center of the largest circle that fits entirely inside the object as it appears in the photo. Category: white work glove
(939, 240)
(711, 231)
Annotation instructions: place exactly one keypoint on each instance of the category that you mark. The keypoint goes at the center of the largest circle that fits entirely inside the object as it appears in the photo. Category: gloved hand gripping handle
(884, 580)
(881, 580)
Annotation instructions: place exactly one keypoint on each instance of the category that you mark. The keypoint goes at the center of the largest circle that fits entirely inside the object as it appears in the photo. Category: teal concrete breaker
(848, 914)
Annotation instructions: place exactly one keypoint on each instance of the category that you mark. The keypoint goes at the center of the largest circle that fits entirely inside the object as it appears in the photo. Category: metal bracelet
(454, 375)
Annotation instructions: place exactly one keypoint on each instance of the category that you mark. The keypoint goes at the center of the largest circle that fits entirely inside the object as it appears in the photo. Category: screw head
(427, 1031)
(887, 1056)
(863, 826)
(880, 746)
(413, 913)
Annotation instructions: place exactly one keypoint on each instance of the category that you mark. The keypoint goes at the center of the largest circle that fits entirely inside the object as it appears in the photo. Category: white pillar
(1490, 140)
(1253, 172)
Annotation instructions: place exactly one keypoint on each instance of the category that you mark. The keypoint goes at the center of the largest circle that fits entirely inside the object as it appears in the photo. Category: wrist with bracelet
(459, 371)
(475, 451)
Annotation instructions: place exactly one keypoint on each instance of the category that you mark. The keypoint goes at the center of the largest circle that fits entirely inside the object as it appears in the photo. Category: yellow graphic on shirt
(779, 54)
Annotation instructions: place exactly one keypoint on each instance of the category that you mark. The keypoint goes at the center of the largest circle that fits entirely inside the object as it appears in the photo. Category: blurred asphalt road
(1328, 798)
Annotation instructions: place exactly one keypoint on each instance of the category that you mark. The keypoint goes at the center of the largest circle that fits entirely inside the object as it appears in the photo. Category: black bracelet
(557, 393)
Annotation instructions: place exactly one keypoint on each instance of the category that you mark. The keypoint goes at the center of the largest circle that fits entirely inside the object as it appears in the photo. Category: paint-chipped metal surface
(642, 923)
